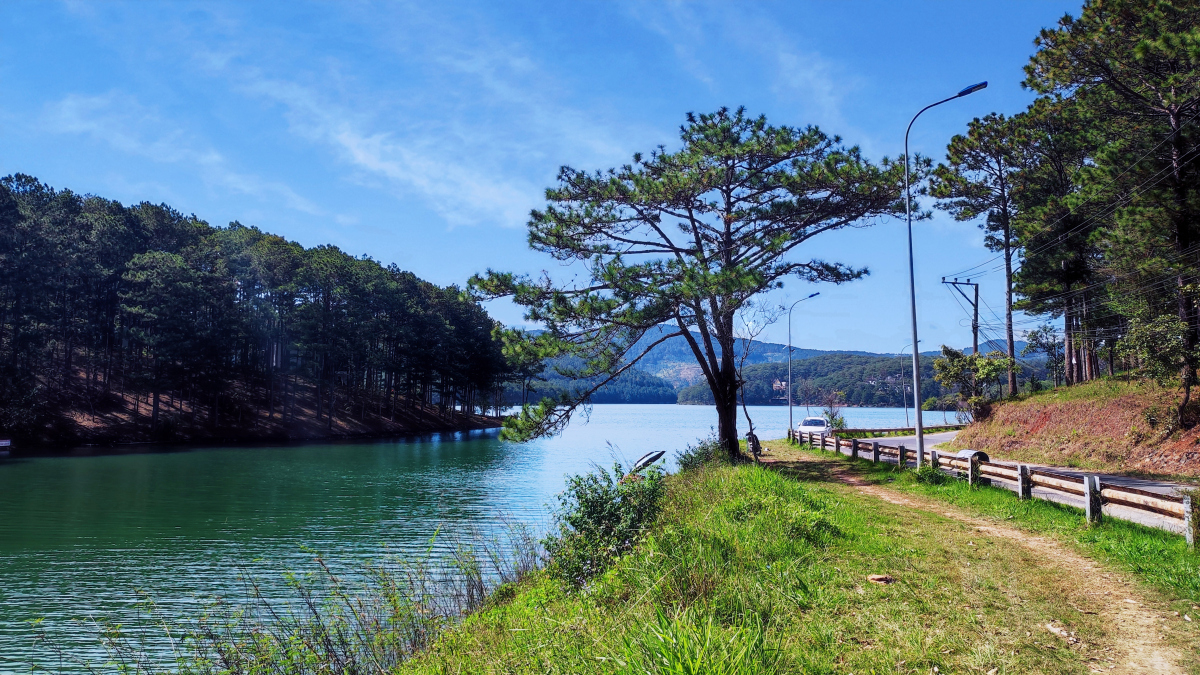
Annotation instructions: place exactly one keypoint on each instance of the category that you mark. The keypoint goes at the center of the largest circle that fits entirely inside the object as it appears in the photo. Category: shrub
(601, 516)
(704, 452)
(930, 476)
(811, 527)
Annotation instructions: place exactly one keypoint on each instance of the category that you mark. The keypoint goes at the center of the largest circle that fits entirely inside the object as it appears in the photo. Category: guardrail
(1095, 493)
(896, 430)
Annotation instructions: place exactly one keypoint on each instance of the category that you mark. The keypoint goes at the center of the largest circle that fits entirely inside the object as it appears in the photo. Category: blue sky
(422, 134)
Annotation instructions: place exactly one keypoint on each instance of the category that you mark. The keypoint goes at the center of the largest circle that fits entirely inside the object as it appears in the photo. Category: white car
(814, 425)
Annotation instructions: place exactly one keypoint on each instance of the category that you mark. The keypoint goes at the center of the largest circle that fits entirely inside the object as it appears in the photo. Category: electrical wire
(1071, 210)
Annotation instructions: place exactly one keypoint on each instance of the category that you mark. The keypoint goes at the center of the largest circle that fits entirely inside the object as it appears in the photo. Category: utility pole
(974, 304)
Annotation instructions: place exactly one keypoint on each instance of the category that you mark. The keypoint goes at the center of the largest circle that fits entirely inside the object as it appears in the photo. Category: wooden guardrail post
(933, 458)
(1091, 499)
(973, 471)
(822, 441)
(875, 451)
(1024, 482)
(1191, 522)
(853, 448)
(902, 462)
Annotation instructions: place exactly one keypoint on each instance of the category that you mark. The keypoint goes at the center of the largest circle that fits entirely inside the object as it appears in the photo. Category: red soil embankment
(1112, 425)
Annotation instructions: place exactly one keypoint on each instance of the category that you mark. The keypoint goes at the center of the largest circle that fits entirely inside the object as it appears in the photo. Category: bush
(704, 452)
(601, 516)
(930, 476)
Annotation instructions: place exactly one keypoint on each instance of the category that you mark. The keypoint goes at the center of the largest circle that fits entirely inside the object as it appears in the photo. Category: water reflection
(79, 535)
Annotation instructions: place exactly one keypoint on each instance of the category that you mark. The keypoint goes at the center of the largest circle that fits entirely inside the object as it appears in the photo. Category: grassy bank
(751, 571)
(1160, 561)
(1116, 425)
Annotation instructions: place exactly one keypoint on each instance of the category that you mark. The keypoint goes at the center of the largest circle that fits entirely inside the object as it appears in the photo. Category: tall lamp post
(912, 277)
(791, 425)
(903, 395)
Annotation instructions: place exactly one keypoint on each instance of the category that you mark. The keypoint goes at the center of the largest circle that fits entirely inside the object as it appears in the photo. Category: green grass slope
(751, 571)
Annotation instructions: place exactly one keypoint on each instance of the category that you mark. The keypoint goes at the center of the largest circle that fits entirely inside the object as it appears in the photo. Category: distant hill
(864, 380)
(669, 373)
(674, 361)
(632, 386)
(998, 346)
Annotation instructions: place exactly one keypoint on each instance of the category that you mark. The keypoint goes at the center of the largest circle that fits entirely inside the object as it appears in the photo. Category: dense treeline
(177, 323)
(875, 381)
(1091, 196)
(546, 381)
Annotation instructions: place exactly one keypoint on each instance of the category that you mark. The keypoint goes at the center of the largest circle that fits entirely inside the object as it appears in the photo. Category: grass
(1104, 388)
(1160, 561)
(751, 571)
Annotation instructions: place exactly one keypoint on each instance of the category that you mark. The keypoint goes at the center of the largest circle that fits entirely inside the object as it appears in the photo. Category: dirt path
(1136, 628)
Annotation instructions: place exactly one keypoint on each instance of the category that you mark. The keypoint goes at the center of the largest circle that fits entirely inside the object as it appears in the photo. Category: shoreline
(475, 423)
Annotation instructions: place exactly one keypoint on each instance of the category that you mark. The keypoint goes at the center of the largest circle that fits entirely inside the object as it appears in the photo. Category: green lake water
(81, 536)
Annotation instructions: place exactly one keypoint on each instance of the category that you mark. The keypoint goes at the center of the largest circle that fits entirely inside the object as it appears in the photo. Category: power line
(1071, 210)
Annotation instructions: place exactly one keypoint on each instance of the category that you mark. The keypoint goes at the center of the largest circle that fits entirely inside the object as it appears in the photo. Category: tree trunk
(727, 426)
(1068, 362)
(1183, 241)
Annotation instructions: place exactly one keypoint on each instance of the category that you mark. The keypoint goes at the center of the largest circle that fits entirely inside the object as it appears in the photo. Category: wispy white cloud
(124, 123)
(705, 35)
(683, 28)
(461, 190)
(810, 77)
(451, 111)
(479, 148)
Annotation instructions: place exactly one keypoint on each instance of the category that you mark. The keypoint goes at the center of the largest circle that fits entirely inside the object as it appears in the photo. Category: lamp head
(972, 89)
(814, 295)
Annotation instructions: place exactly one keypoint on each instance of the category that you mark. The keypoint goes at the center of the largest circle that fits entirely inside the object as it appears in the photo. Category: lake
(80, 536)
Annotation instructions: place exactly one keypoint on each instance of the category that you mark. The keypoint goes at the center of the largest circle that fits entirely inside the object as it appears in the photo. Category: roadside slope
(1108, 425)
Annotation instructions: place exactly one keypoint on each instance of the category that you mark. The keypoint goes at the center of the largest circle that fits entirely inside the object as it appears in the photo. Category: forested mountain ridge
(871, 381)
(674, 362)
(124, 323)
(862, 380)
(632, 386)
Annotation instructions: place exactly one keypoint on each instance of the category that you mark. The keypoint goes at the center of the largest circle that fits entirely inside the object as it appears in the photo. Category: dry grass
(1111, 425)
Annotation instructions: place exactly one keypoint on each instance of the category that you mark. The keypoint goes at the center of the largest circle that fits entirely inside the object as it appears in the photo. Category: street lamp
(791, 426)
(903, 394)
(912, 277)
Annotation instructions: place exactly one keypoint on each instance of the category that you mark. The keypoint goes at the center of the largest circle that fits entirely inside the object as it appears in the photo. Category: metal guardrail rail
(896, 430)
(1179, 509)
